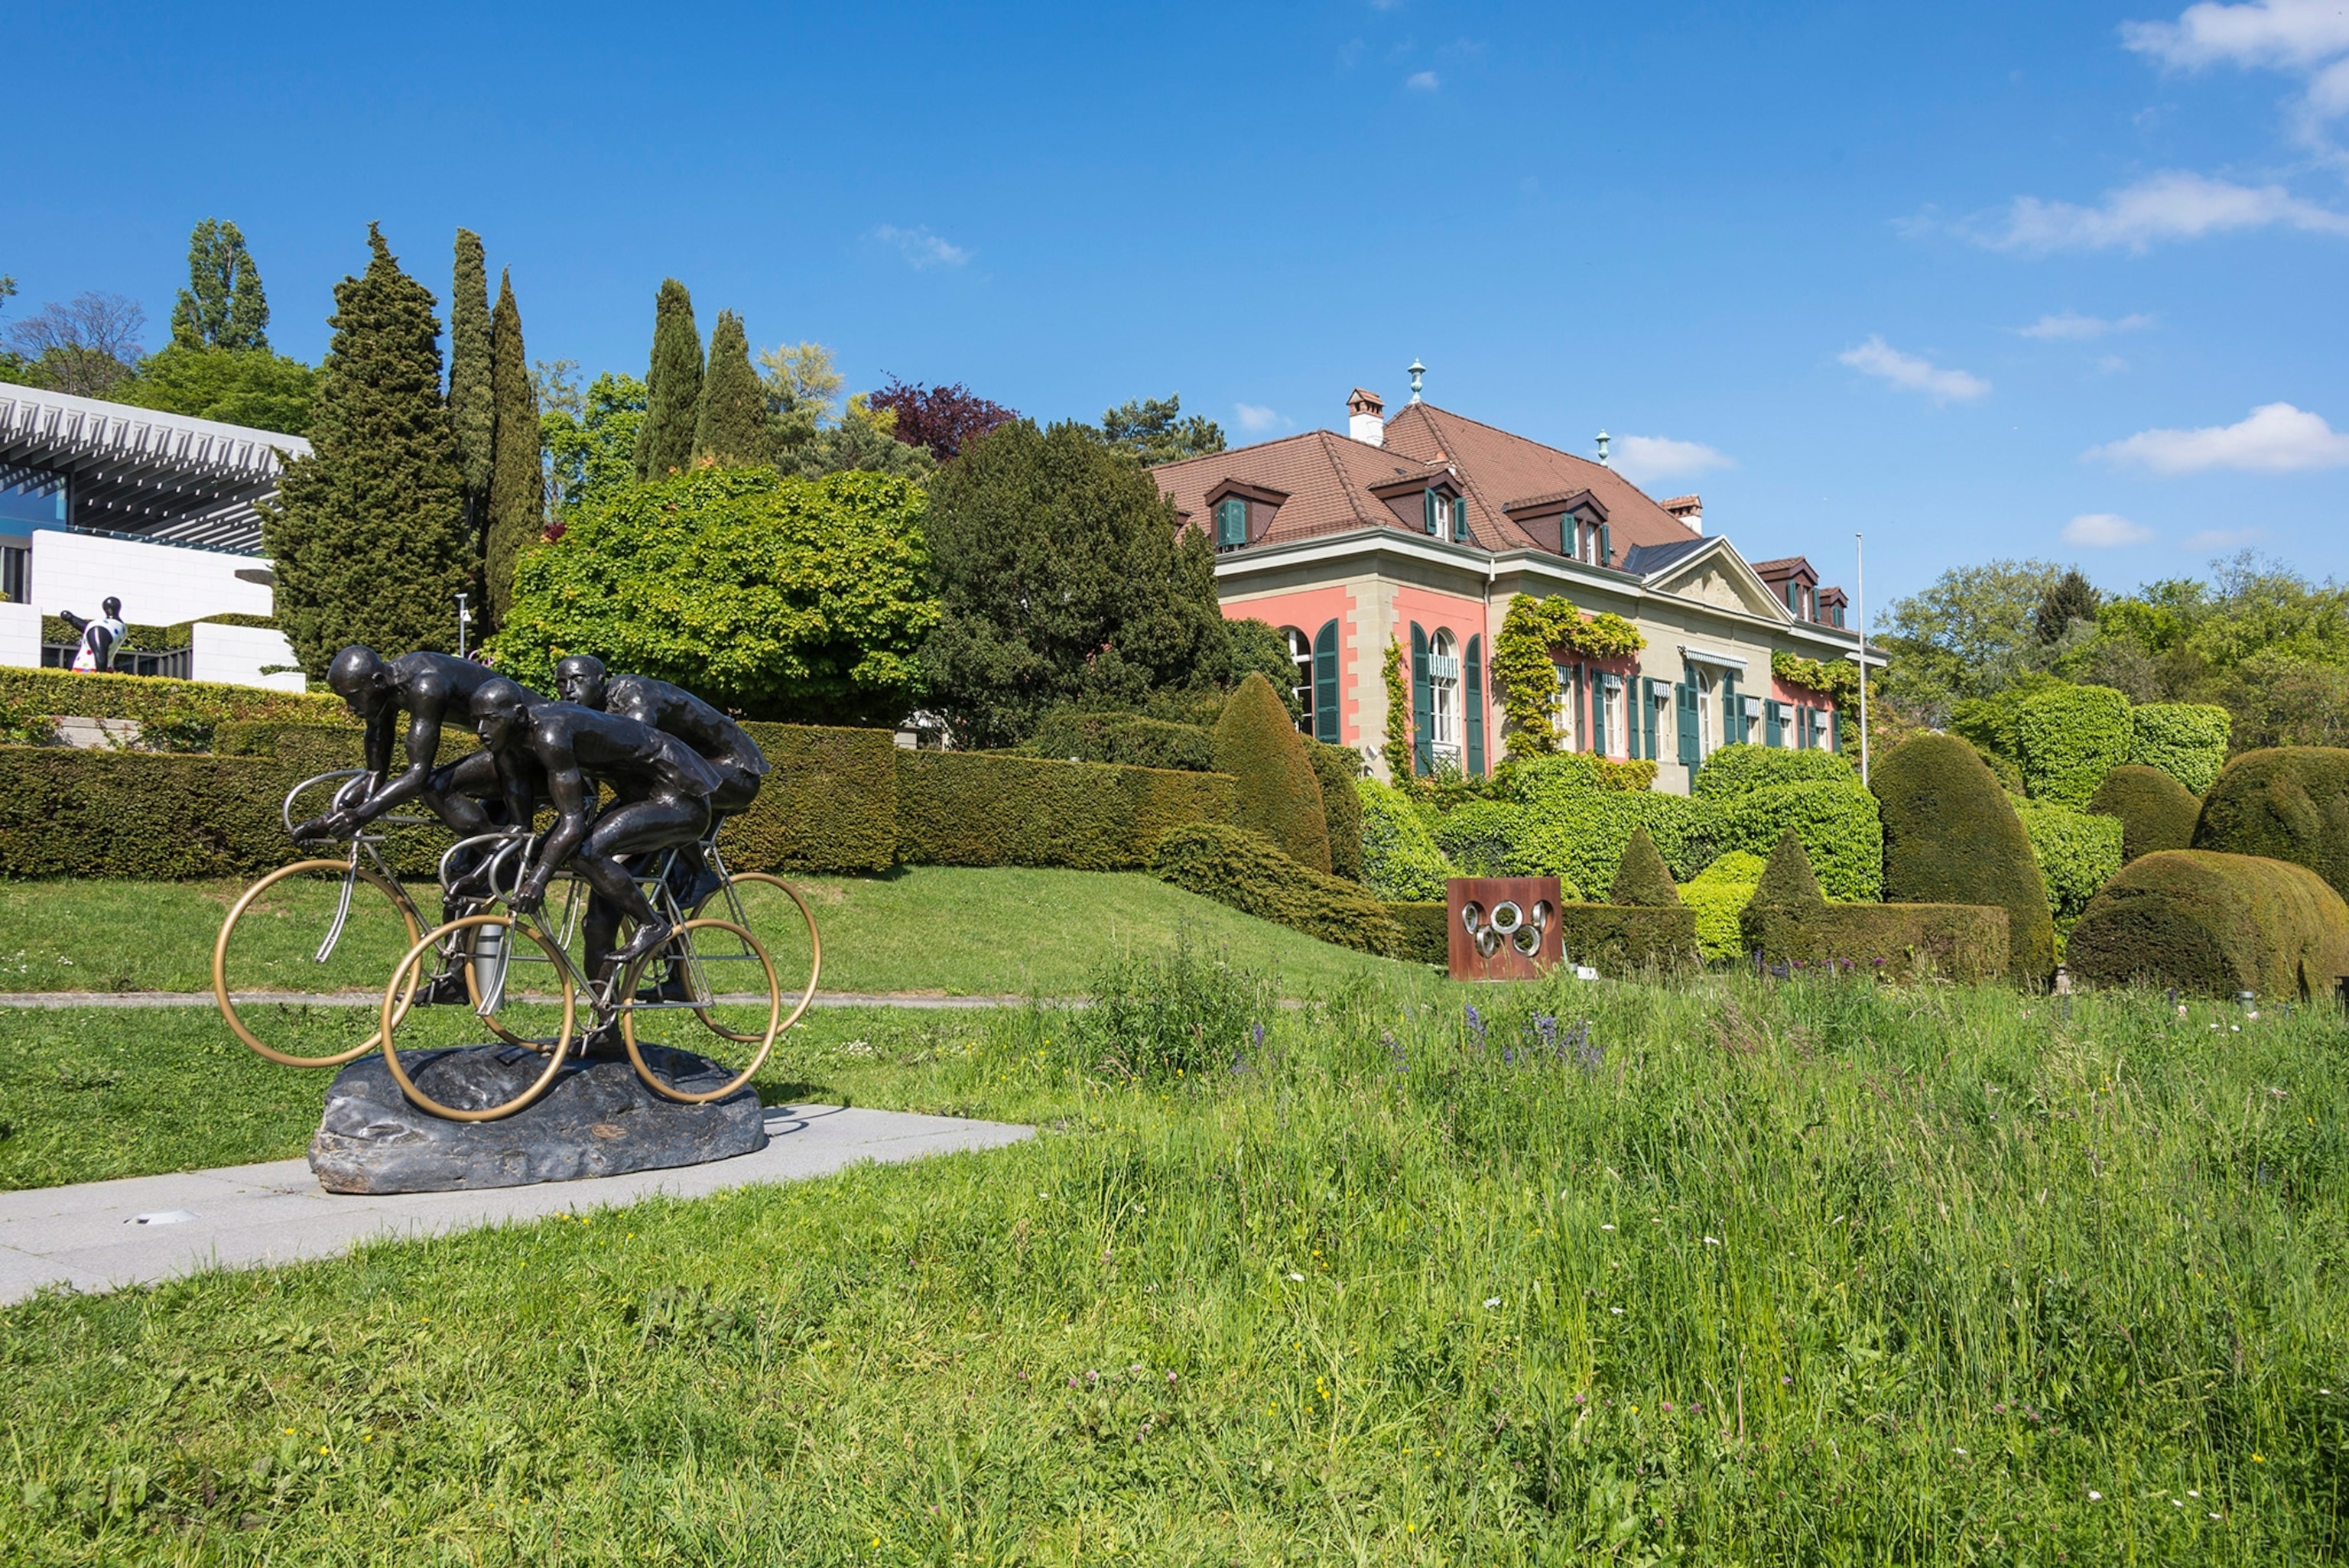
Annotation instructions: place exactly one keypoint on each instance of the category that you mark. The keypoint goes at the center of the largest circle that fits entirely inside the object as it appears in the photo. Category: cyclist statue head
(357, 676)
(580, 678)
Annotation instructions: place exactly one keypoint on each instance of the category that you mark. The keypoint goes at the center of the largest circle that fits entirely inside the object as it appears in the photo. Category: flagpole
(1859, 602)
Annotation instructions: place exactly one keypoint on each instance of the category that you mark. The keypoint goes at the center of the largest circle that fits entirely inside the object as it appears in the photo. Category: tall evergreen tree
(672, 386)
(733, 430)
(517, 479)
(470, 409)
(223, 305)
(368, 532)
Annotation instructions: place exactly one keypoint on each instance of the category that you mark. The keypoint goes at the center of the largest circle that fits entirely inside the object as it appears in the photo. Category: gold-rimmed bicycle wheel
(783, 927)
(323, 923)
(663, 1024)
(553, 1049)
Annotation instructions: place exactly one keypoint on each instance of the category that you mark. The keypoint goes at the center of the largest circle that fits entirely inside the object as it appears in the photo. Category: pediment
(1719, 576)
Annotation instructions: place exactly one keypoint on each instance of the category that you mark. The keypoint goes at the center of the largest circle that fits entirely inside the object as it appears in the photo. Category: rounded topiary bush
(1279, 794)
(1336, 767)
(2156, 811)
(1716, 894)
(2214, 925)
(2187, 740)
(2068, 738)
(1951, 836)
(1735, 769)
(2077, 853)
(2287, 802)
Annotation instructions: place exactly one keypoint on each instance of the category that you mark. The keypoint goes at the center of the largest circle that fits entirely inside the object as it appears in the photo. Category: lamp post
(1860, 603)
(465, 619)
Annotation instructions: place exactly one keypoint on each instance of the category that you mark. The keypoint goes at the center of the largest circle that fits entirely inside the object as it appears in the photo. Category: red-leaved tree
(943, 419)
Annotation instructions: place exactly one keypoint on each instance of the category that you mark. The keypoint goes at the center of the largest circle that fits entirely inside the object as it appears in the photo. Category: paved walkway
(375, 999)
(103, 1235)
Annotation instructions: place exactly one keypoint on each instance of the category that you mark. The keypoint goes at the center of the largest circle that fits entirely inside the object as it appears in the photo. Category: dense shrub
(1477, 836)
(1276, 791)
(1579, 839)
(1715, 896)
(2155, 811)
(1168, 1016)
(2068, 738)
(1963, 943)
(1836, 822)
(1528, 779)
(2187, 740)
(1745, 767)
(147, 698)
(1399, 857)
(2287, 802)
(1426, 931)
(2214, 925)
(1952, 836)
(829, 803)
(970, 809)
(1336, 767)
(1619, 939)
(2076, 852)
(1242, 868)
(1641, 877)
(2003, 769)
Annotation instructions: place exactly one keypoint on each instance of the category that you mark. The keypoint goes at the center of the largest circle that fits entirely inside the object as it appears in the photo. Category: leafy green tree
(249, 386)
(812, 434)
(472, 409)
(591, 437)
(516, 476)
(86, 345)
(2069, 599)
(780, 598)
(1969, 635)
(732, 431)
(672, 386)
(368, 532)
(223, 305)
(1258, 645)
(1063, 579)
(1154, 431)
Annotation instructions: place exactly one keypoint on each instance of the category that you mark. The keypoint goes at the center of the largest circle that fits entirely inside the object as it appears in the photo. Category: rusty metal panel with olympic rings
(1502, 928)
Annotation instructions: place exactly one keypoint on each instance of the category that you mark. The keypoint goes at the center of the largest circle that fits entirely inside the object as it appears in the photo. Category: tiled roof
(1783, 566)
(1327, 476)
(1498, 468)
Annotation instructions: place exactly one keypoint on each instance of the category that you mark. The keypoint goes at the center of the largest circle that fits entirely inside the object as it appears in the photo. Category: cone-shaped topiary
(2156, 811)
(2288, 802)
(1280, 796)
(672, 386)
(1786, 880)
(733, 432)
(2214, 925)
(1642, 878)
(1951, 837)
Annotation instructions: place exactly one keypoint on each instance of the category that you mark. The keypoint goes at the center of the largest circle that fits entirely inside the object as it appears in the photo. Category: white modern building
(99, 499)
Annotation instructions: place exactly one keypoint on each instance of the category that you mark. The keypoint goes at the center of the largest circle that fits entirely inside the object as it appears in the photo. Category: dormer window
(1231, 523)
(1445, 515)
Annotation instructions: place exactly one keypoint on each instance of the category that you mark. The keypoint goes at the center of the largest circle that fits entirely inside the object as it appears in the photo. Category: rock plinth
(597, 1119)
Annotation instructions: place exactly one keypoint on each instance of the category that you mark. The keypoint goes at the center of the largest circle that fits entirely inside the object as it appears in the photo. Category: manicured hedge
(829, 803)
(1741, 769)
(2286, 802)
(1952, 836)
(1336, 767)
(1477, 836)
(2077, 853)
(1837, 822)
(2187, 740)
(2214, 925)
(1399, 857)
(2156, 811)
(1963, 943)
(150, 697)
(971, 809)
(1579, 839)
(1244, 869)
(1619, 939)
(1426, 931)
(1274, 790)
(1130, 738)
(1715, 896)
(1641, 877)
(2068, 738)
(1527, 779)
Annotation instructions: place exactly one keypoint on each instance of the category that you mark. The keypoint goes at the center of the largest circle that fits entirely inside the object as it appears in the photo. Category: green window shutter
(1326, 717)
(1733, 723)
(1231, 522)
(1648, 718)
(1790, 596)
(1473, 658)
(1802, 727)
(1606, 547)
(1460, 518)
(1774, 723)
(1428, 501)
(1684, 716)
(1423, 705)
(1835, 730)
(1582, 707)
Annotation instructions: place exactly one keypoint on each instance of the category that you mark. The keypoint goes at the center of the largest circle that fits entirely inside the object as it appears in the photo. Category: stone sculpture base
(597, 1119)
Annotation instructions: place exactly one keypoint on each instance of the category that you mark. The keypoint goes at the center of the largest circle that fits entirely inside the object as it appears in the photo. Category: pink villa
(1418, 530)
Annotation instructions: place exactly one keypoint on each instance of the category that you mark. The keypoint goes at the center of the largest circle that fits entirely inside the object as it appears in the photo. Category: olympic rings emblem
(1508, 921)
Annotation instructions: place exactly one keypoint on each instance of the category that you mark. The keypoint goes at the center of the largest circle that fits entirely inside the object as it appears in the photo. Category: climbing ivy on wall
(1524, 667)
(1397, 750)
(1837, 678)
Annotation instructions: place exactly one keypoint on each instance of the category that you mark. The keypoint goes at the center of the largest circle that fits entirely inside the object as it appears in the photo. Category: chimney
(1366, 418)
(1690, 510)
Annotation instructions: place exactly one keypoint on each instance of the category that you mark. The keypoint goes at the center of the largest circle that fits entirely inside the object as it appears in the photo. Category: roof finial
(1602, 450)
(1417, 371)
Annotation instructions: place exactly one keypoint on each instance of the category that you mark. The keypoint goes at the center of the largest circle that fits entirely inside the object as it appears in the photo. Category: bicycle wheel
(678, 1026)
(553, 1048)
(780, 921)
(316, 925)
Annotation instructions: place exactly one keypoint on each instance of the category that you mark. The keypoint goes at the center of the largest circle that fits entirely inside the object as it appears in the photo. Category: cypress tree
(368, 532)
(517, 484)
(732, 431)
(223, 305)
(470, 411)
(672, 386)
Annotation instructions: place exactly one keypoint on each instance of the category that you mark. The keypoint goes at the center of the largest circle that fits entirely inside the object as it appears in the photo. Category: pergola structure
(143, 473)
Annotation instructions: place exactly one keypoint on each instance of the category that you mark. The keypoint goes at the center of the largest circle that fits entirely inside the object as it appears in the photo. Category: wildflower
(1960, 1452)
(2177, 1502)
(1667, 1407)
(2214, 1516)
(1298, 1277)
(1616, 1310)
(2096, 1497)
(1491, 1302)
(1546, 1027)
(1256, 1033)
(1477, 1024)
(1135, 1367)
(1606, 1227)
(2191, 1492)
(1786, 1382)
(1711, 1242)
(1170, 1377)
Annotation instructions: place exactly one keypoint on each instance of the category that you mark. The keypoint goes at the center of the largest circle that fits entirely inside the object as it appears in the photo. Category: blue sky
(1982, 280)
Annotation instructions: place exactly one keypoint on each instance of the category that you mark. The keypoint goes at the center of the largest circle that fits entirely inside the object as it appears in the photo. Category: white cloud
(2104, 531)
(2286, 32)
(2065, 325)
(1644, 458)
(1912, 374)
(2173, 205)
(2276, 439)
(1423, 81)
(1255, 418)
(921, 248)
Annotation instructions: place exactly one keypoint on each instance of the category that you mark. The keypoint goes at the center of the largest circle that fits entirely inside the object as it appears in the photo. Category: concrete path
(375, 999)
(103, 1235)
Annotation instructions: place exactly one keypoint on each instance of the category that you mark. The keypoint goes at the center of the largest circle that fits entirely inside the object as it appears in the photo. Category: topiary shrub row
(1628, 939)
(1277, 792)
(1075, 735)
(1401, 860)
(2187, 740)
(2214, 925)
(2155, 809)
(1245, 871)
(2068, 738)
(1744, 767)
(1836, 820)
(2077, 854)
(972, 809)
(1715, 896)
(150, 698)
(829, 803)
(1336, 767)
(1787, 921)
(1426, 931)
(2285, 802)
(1951, 837)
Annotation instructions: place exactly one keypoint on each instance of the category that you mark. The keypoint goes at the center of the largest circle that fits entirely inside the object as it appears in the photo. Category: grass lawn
(1811, 1273)
(961, 931)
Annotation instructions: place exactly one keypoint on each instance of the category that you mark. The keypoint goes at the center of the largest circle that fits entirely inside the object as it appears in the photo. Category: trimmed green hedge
(2214, 925)
(1530, 778)
(1715, 896)
(2068, 739)
(2187, 740)
(1426, 931)
(1626, 939)
(1952, 836)
(1641, 877)
(1276, 790)
(1964, 943)
(152, 697)
(829, 803)
(1579, 839)
(2156, 811)
(1130, 738)
(2286, 802)
(1244, 869)
(1336, 767)
(972, 809)
(2077, 853)
(1837, 824)
(1741, 769)
(1477, 836)
(1399, 857)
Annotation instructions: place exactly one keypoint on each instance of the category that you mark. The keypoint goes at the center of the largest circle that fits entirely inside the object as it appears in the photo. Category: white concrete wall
(237, 656)
(158, 584)
(20, 636)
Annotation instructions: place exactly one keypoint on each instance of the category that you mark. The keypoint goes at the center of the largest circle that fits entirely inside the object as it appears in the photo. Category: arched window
(1300, 655)
(1444, 691)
